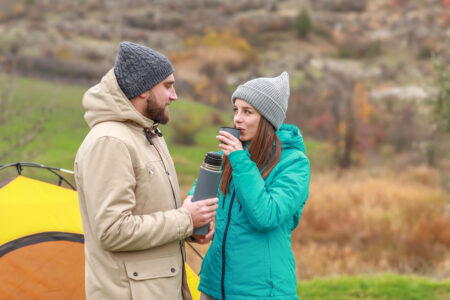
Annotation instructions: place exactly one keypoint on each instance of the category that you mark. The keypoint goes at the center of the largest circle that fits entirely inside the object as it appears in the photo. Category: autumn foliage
(374, 221)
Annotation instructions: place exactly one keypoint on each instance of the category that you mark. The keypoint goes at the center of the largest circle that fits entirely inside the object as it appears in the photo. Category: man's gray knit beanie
(269, 96)
(139, 68)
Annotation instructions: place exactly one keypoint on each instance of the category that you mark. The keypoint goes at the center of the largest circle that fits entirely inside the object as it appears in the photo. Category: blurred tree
(349, 120)
(403, 131)
(440, 105)
(342, 111)
(302, 23)
(442, 99)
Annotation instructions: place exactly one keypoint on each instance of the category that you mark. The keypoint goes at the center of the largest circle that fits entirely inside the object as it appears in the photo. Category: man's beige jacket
(133, 222)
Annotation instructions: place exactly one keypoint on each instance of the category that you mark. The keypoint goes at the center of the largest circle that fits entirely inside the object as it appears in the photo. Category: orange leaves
(374, 221)
(221, 39)
(361, 104)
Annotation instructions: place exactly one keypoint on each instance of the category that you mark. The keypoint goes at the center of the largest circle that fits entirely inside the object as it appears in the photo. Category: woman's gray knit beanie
(269, 96)
(139, 68)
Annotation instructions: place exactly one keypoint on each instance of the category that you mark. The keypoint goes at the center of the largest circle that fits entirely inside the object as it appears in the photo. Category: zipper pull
(148, 136)
(158, 132)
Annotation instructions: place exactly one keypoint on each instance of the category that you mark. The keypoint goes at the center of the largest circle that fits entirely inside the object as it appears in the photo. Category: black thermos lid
(213, 158)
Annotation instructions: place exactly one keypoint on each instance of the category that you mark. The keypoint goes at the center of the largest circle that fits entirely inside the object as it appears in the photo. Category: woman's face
(246, 119)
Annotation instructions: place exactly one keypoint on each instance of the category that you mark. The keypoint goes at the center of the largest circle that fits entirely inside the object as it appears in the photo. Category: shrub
(185, 127)
(302, 23)
(340, 6)
(11, 41)
(216, 118)
(357, 49)
(362, 221)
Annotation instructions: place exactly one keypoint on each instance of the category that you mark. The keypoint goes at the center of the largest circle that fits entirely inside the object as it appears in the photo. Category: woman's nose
(237, 118)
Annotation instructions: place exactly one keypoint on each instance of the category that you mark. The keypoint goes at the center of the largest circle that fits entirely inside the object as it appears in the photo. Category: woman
(263, 188)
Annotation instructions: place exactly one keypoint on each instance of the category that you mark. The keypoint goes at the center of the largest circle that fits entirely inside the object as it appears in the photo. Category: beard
(156, 111)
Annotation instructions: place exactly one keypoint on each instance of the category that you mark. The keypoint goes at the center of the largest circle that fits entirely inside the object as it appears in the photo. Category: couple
(133, 219)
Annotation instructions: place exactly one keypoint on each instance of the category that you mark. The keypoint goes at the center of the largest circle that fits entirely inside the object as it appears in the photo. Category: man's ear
(144, 95)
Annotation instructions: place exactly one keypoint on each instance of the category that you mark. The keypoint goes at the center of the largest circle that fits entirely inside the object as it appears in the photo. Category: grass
(358, 222)
(355, 222)
(380, 287)
(64, 129)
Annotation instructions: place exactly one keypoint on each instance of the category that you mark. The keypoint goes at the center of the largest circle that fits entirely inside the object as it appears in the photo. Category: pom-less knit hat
(139, 68)
(269, 96)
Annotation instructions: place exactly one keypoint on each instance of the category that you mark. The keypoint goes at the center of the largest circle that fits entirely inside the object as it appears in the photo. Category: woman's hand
(204, 239)
(229, 143)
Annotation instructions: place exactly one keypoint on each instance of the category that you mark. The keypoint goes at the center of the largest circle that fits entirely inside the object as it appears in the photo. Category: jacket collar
(106, 102)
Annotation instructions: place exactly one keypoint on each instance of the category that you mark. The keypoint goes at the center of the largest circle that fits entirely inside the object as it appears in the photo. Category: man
(133, 221)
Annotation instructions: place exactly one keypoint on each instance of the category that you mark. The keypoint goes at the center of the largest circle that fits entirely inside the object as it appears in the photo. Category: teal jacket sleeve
(268, 207)
(192, 190)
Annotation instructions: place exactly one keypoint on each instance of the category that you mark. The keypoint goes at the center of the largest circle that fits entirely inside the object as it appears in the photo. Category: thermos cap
(213, 158)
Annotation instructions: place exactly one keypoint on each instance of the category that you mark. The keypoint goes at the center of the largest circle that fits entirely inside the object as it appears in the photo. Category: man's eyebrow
(170, 82)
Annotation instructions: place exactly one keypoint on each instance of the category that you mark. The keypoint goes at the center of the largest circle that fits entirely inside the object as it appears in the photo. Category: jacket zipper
(149, 138)
(270, 266)
(223, 245)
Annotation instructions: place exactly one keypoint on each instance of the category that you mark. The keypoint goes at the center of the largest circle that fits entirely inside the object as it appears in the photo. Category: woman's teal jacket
(250, 256)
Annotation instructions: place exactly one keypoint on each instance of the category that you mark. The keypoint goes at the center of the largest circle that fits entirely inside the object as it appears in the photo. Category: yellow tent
(41, 243)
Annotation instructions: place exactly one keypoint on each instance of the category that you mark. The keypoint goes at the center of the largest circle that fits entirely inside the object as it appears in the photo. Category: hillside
(361, 76)
(364, 81)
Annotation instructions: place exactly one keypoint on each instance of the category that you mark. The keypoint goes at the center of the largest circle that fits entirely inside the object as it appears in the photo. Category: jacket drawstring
(148, 135)
(159, 133)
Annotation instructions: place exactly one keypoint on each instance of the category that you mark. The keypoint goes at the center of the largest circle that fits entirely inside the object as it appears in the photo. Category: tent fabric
(39, 238)
(29, 206)
(41, 243)
(47, 270)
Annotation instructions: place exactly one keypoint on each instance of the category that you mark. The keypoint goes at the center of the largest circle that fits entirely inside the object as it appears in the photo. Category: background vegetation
(369, 90)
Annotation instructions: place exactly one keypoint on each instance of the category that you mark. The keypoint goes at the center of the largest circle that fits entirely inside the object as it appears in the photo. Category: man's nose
(173, 95)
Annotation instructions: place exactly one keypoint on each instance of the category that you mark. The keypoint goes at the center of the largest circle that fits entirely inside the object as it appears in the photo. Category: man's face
(160, 96)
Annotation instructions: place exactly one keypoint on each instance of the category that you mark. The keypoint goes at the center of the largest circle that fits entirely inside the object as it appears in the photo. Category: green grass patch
(64, 129)
(371, 287)
(60, 134)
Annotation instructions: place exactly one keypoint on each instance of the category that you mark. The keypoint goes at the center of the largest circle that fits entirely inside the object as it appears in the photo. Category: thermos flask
(207, 183)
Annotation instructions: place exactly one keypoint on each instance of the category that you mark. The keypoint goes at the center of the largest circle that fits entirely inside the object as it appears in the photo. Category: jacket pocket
(155, 279)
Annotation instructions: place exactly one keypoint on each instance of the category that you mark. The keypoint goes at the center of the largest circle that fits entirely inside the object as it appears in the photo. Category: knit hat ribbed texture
(269, 96)
(139, 68)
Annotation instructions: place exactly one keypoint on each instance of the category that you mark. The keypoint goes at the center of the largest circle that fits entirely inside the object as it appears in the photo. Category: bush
(185, 127)
(12, 40)
(302, 23)
(441, 102)
(216, 118)
(340, 5)
(358, 49)
(371, 221)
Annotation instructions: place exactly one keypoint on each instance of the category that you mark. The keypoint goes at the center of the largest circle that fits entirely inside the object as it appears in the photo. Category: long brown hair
(261, 150)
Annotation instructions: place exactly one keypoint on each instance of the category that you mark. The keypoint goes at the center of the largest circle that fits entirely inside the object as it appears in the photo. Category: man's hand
(204, 239)
(202, 212)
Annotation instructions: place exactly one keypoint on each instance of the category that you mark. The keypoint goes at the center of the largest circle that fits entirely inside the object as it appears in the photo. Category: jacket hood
(290, 137)
(106, 102)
